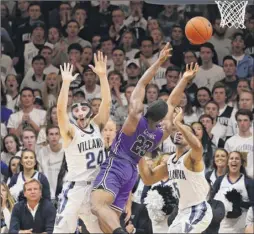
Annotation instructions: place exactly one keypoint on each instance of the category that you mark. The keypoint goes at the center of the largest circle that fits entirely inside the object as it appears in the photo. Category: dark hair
(118, 48)
(51, 127)
(146, 39)
(26, 89)
(228, 57)
(3, 97)
(15, 138)
(28, 129)
(153, 86)
(114, 72)
(72, 21)
(207, 145)
(161, 93)
(219, 85)
(244, 112)
(35, 157)
(174, 68)
(128, 86)
(205, 116)
(75, 46)
(34, 4)
(211, 47)
(95, 99)
(45, 47)
(38, 58)
(106, 38)
(188, 110)
(221, 149)
(10, 174)
(196, 103)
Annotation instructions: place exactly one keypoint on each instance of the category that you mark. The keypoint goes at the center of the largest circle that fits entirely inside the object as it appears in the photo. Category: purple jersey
(143, 140)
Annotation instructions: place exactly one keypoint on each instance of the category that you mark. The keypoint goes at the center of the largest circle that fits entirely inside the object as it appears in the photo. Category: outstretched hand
(179, 115)
(100, 62)
(66, 72)
(191, 71)
(165, 52)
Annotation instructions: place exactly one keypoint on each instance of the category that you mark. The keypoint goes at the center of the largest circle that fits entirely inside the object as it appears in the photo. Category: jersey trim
(174, 162)
(83, 130)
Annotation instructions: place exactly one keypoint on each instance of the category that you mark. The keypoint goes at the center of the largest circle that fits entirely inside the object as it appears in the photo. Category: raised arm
(175, 97)
(101, 70)
(151, 176)
(65, 126)
(194, 143)
(136, 106)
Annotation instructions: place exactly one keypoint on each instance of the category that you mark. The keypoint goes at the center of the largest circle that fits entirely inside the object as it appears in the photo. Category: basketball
(198, 30)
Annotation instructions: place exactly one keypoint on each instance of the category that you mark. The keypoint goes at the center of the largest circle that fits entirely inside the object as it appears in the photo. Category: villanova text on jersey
(177, 174)
(90, 144)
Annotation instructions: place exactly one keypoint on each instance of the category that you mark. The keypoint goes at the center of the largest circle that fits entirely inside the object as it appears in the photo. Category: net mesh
(232, 13)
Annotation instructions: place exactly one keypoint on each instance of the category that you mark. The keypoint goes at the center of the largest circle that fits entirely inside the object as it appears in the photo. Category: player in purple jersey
(138, 135)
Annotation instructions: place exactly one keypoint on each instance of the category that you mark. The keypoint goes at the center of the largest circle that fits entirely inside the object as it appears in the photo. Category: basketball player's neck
(180, 150)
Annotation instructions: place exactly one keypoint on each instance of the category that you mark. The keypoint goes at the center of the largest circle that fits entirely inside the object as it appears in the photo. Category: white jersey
(191, 187)
(85, 154)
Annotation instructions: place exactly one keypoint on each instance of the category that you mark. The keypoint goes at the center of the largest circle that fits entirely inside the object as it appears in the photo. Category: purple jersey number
(141, 145)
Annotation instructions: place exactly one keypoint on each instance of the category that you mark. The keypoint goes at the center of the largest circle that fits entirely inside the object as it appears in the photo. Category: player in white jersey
(84, 151)
(186, 169)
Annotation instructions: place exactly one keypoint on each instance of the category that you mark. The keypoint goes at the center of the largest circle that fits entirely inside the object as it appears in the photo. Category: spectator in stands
(37, 79)
(107, 46)
(47, 52)
(128, 43)
(245, 102)
(245, 63)
(5, 112)
(54, 35)
(28, 170)
(6, 66)
(221, 44)
(158, 38)
(50, 158)
(11, 147)
(203, 96)
(220, 160)
(51, 89)
(172, 77)
(209, 73)
(243, 141)
(7, 204)
(90, 88)
(27, 116)
(235, 178)
(219, 94)
(152, 93)
(190, 57)
(95, 104)
(12, 92)
(13, 167)
(118, 27)
(35, 214)
(218, 130)
(28, 139)
(60, 54)
(109, 134)
(133, 71)
(87, 56)
(189, 115)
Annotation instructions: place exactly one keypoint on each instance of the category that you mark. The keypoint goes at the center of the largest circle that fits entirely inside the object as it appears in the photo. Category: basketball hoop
(232, 13)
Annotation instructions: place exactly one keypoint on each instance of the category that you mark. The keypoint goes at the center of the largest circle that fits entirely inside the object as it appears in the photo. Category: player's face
(80, 113)
(179, 140)
(220, 158)
(234, 162)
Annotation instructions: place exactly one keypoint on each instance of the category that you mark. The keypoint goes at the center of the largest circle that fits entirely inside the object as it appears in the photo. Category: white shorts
(74, 203)
(194, 219)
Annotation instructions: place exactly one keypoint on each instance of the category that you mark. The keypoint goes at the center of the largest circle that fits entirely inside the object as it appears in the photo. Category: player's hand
(179, 115)
(191, 71)
(100, 62)
(165, 53)
(128, 213)
(66, 72)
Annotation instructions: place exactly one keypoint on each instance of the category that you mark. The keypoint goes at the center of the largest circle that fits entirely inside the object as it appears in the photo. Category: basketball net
(232, 13)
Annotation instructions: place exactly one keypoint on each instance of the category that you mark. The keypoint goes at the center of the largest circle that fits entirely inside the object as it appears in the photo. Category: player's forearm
(62, 101)
(145, 172)
(139, 91)
(105, 90)
(175, 96)
(191, 139)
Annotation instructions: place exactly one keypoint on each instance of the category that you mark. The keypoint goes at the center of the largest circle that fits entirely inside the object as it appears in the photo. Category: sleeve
(45, 186)
(7, 217)
(50, 218)
(15, 188)
(15, 219)
(227, 146)
(144, 225)
(208, 175)
(12, 123)
(249, 217)
(4, 169)
(249, 183)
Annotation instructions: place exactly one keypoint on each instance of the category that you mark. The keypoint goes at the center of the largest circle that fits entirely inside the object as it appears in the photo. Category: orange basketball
(198, 30)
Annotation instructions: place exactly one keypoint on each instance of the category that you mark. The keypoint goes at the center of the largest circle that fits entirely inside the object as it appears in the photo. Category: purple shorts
(118, 177)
